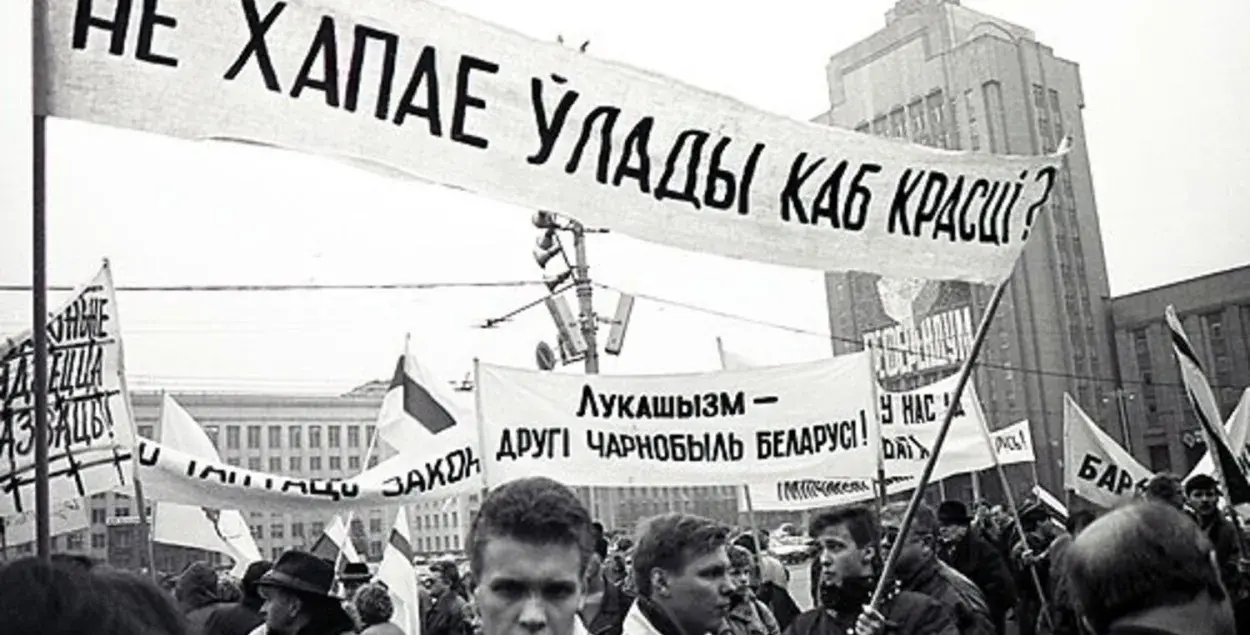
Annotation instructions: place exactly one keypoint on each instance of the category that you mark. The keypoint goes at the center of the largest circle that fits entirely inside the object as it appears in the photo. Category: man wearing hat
(299, 598)
(354, 576)
(977, 559)
(1202, 492)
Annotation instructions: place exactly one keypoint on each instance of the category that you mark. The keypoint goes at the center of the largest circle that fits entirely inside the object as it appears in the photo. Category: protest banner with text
(90, 432)
(417, 88)
(963, 452)
(1095, 467)
(65, 516)
(689, 429)
(178, 477)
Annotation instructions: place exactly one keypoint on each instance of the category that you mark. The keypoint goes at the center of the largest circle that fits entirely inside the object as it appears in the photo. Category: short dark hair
(373, 604)
(668, 541)
(1079, 520)
(860, 520)
(51, 597)
(1143, 555)
(1201, 482)
(1165, 486)
(537, 510)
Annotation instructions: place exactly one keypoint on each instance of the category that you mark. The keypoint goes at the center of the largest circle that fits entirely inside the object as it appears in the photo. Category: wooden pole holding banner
(145, 530)
(39, 286)
(755, 528)
(965, 372)
(481, 426)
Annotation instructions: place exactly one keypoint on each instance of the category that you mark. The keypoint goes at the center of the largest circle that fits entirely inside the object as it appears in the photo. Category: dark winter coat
(984, 564)
(927, 575)
(908, 614)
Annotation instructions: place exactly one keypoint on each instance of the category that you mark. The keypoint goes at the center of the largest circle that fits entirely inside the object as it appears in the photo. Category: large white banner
(1095, 467)
(963, 452)
(691, 429)
(90, 432)
(415, 87)
(179, 477)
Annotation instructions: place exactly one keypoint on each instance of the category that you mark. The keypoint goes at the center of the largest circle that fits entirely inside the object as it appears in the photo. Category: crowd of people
(1169, 563)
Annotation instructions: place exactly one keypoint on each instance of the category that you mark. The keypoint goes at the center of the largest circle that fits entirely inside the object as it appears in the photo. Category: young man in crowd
(850, 559)
(1146, 569)
(1202, 492)
(977, 559)
(747, 614)
(529, 548)
(1042, 551)
(681, 570)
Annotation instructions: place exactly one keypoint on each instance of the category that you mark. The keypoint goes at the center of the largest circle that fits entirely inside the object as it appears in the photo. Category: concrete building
(299, 435)
(1215, 313)
(943, 75)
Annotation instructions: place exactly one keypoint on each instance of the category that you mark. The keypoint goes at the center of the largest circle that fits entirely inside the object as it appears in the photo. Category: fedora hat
(355, 572)
(301, 572)
(953, 512)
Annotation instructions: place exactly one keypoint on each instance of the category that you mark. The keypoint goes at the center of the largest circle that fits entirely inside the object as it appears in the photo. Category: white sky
(1165, 88)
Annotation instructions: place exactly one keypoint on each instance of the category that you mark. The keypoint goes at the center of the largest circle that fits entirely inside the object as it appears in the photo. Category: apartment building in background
(1215, 312)
(944, 75)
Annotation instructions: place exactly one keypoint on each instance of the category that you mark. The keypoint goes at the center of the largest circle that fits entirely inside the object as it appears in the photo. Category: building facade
(297, 435)
(943, 75)
(1215, 313)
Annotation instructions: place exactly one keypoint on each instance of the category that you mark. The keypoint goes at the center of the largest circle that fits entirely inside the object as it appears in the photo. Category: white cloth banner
(409, 477)
(1095, 467)
(219, 530)
(90, 429)
(69, 515)
(963, 452)
(689, 429)
(418, 88)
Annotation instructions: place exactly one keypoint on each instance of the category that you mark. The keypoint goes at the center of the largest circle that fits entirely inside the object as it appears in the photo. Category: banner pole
(481, 425)
(39, 286)
(1011, 505)
(965, 372)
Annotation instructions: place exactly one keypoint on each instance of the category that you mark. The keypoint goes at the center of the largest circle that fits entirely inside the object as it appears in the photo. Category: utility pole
(585, 298)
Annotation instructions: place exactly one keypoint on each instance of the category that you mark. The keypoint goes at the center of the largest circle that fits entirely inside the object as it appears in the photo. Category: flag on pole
(417, 410)
(223, 531)
(1095, 467)
(397, 572)
(1237, 428)
(1230, 466)
(334, 541)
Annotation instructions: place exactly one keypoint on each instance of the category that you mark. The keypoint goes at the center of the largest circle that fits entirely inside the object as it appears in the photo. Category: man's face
(917, 545)
(840, 557)
(700, 593)
(951, 533)
(438, 584)
(1204, 501)
(281, 609)
(529, 589)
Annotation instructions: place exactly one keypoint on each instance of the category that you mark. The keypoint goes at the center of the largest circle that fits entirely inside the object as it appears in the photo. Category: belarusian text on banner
(690, 429)
(963, 452)
(90, 434)
(418, 88)
(178, 477)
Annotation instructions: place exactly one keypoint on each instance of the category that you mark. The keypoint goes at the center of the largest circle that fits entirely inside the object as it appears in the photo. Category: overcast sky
(1165, 88)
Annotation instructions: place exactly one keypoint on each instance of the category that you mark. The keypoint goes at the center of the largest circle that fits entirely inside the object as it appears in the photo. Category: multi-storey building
(1215, 312)
(299, 435)
(943, 75)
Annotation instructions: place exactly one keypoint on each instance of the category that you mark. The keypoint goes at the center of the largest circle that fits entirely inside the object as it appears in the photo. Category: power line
(835, 338)
(399, 286)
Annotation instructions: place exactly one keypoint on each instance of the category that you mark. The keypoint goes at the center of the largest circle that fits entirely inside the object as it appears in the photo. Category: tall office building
(1215, 312)
(944, 75)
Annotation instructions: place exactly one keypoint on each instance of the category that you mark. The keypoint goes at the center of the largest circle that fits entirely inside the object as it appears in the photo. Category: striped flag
(397, 572)
(335, 541)
(1231, 466)
(417, 408)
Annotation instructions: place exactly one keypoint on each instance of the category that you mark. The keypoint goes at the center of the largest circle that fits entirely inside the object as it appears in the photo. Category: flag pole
(39, 282)
(965, 372)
